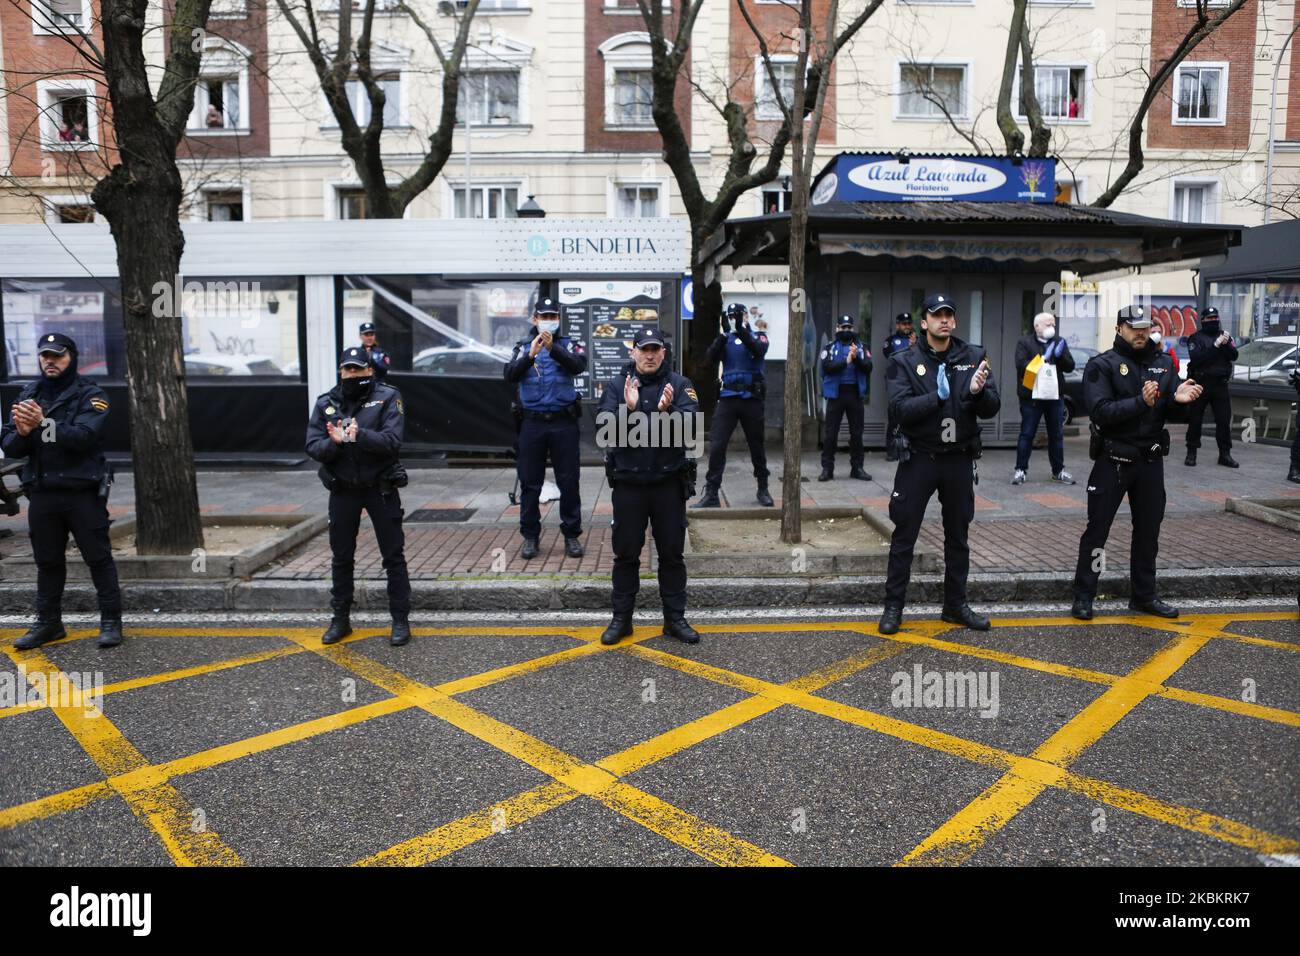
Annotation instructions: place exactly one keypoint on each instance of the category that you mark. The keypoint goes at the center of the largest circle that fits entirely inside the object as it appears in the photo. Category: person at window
(214, 117)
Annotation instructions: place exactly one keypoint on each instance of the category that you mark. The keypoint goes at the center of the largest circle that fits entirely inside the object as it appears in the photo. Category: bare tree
(1040, 135)
(816, 50)
(338, 59)
(706, 215)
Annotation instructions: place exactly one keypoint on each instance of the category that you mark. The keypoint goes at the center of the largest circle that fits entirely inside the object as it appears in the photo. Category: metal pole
(469, 122)
(1272, 112)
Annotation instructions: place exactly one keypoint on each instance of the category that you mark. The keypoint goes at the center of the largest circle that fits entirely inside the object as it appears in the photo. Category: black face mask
(1210, 327)
(844, 336)
(356, 387)
(53, 386)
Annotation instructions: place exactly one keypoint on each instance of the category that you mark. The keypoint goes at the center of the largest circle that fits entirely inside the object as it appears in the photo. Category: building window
(633, 98)
(68, 119)
(490, 97)
(391, 84)
(352, 203)
(1201, 93)
(932, 90)
(636, 200)
(60, 16)
(766, 106)
(224, 205)
(486, 202)
(221, 93)
(776, 197)
(1061, 91)
(1194, 201)
(217, 99)
(75, 213)
(228, 10)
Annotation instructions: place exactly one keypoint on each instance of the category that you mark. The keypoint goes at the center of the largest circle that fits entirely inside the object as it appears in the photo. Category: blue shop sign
(883, 177)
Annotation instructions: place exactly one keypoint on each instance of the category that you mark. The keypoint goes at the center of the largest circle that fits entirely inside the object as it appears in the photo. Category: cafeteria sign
(884, 177)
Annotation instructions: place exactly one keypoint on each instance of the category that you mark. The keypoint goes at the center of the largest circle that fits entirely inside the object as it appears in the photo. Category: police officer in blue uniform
(938, 388)
(356, 432)
(846, 370)
(58, 425)
(903, 338)
(741, 399)
(380, 359)
(1211, 354)
(649, 482)
(544, 366)
(1129, 392)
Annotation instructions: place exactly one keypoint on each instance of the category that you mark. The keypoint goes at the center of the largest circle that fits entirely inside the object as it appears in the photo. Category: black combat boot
(764, 496)
(679, 629)
(42, 632)
(965, 617)
(1227, 461)
(401, 632)
(619, 627)
(860, 473)
(529, 550)
(340, 627)
(710, 497)
(1294, 474)
(573, 548)
(1082, 609)
(828, 474)
(110, 632)
(1190, 460)
(1155, 606)
(891, 620)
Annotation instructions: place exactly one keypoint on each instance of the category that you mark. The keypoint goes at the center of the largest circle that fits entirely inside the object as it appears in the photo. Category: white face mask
(1155, 337)
(548, 325)
(1049, 333)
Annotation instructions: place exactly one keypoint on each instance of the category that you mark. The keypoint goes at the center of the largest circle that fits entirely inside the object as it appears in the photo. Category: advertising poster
(602, 316)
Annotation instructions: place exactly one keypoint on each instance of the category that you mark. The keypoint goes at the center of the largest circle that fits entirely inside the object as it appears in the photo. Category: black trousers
(385, 512)
(1109, 482)
(50, 517)
(917, 479)
(749, 412)
(1215, 395)
(1295, 449)
(663, 506)
(891, 430)
(849, 404)
(559, 437)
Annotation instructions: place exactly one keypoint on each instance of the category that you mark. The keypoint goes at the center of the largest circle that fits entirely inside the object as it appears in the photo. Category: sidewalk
(1028, 530)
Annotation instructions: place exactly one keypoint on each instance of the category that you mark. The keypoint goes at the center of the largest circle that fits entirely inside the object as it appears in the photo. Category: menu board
(603, 316)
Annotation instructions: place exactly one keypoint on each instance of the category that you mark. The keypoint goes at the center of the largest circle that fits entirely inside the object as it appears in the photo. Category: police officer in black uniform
(741, 399)
(58, 425)
(356, 433)
(938, 389)
(903, 338)
(1129, 392)
(846, 379)
(544, 366)
(1294, 473)
(1210, 357)
(648, 483)
(380, 359)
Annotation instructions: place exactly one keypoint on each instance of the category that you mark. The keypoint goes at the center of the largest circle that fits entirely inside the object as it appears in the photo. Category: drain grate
(441, 515)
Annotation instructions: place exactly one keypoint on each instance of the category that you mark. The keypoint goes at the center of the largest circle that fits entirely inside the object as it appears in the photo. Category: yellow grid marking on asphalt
(969, 829)
(597, 782)
(169, 814)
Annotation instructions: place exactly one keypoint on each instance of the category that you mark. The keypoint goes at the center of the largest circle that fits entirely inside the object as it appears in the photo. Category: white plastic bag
(1045, 385)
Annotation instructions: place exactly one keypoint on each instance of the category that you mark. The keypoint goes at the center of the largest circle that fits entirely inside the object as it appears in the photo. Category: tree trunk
(704, 329)
(791, 492)
(141, 198)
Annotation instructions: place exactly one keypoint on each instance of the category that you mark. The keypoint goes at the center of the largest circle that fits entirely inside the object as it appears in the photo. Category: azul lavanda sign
(885, 177)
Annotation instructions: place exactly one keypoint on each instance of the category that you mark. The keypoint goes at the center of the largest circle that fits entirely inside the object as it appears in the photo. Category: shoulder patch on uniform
(99, 404)
(400, 409)
(762, 337)
(388, 359)
(690, 393)
(329, 409)
(825, 352)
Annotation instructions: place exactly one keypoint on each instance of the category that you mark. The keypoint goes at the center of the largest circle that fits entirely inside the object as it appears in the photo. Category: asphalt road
(776, 740)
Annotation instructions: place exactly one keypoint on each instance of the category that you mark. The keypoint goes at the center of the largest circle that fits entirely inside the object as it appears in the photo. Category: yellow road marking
(961, 837)
(169, 814)
(55, 803)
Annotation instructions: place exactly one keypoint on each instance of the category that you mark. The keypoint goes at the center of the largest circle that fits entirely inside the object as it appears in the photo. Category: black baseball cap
(354, 356)
(939, 301)
(736, 309)
(648, 337)
(903, 317)
(55, 342)
(845, 321)
(1210, 313)
(1134, 316)
(367, 327)
(547, 307)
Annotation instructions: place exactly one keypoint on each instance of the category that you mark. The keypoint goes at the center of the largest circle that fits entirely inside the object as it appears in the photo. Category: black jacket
(1209, 363)
(1112, 393)
(380, 361)
(381, 423)
(74, 458)
(914, 395)
(1026, 349)
(645, 465)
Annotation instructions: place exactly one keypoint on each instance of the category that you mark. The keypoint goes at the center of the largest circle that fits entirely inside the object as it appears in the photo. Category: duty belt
(545, 416)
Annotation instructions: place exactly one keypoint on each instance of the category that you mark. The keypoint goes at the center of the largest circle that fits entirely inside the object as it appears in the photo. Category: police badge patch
(920, 369)
(1123, 368)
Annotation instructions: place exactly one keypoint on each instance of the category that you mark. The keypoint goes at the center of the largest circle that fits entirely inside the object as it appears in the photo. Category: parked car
(1268, 361)
(1073, 382)
(200, 363)
(473, 361)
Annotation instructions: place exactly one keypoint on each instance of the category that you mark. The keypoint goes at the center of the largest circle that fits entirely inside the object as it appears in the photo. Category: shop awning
(1082, 239)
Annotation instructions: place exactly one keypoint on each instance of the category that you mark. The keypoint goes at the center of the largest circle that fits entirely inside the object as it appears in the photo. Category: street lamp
(1272, 112)
(530, 209)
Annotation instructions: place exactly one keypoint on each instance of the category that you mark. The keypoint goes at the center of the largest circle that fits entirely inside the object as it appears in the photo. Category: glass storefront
(1264, 317)
(88, 310)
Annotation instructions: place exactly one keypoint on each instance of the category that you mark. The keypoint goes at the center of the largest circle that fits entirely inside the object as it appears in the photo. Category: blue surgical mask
(548, 325)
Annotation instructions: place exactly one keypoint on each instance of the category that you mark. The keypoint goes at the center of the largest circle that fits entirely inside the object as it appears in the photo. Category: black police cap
(845, 321)
(1134, 316)
(939, 301)
(55, 342)
(367, 327)
(736, 309)
(354, 356)
(645, 337)
(547, 307)
(1210, 313)
(903, 318)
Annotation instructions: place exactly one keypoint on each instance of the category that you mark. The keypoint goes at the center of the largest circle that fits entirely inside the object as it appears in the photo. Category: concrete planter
(1282, 512)
(296, 530)
(813, 563)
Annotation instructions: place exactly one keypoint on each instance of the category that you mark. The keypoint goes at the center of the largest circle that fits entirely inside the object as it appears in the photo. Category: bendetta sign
(889, 178)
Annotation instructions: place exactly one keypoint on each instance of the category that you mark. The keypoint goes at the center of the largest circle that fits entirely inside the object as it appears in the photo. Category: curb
(558, 594)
